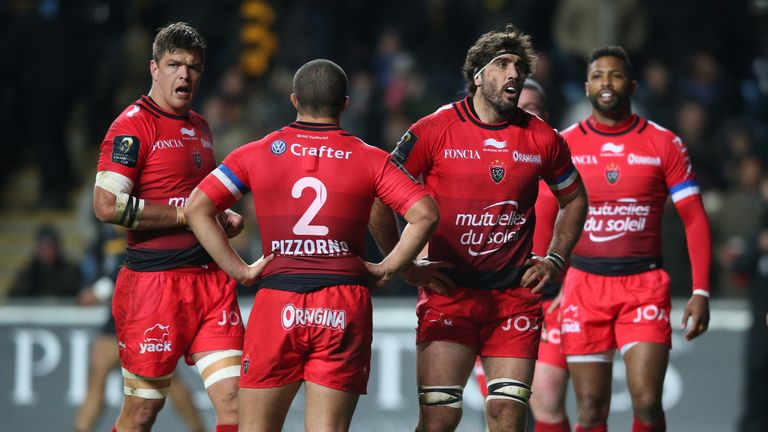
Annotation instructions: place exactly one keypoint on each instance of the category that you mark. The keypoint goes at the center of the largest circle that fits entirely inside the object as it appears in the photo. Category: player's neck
(612, 119)
(165, 106)
(312, 119)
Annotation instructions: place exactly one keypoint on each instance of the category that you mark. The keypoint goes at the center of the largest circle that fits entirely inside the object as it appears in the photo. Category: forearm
(211, 235)
(134, 213)
(422, 220)
(383, 227)
(569, 223)
(699, 241)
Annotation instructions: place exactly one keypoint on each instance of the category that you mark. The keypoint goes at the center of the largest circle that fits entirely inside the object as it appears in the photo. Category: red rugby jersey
(313, 187)
(166, 156)
(628, 170)
(485, 178)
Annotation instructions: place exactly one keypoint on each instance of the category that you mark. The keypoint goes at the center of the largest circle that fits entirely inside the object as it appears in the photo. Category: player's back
(313, 187)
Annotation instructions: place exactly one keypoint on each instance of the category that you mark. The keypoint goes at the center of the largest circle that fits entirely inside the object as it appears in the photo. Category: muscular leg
(181, 398)
(646, 366)
(264, 409)
(504, 414)
(592, 385)
(224, 372)
(549, 389)
(138, 414)
(328, 410)
(442, 364)
(103, 359)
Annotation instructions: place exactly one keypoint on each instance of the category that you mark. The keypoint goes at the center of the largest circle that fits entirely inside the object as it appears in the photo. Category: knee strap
(146, 387)
(219, 365)
(510, 389)
(446, 396)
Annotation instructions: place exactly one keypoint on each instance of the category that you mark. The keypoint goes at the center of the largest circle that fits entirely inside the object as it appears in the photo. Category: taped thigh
(509, 389)
(444, 396)
(146, 387)
(219, 365)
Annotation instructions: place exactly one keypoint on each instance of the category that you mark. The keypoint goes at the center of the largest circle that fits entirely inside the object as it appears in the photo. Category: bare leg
(328, 410)
(442, 364)
(183, 403)
(549, 389)
(103, 359)
(506, 414)
(223, 393)
(264, 409)
(646, 366)
(592, 385)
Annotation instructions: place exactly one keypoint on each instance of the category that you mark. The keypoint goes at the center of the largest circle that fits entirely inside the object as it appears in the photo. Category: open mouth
(183, 91)
(511, 90)
(606, 96)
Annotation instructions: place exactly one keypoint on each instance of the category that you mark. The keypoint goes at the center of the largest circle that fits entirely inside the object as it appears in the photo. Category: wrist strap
(701, 292)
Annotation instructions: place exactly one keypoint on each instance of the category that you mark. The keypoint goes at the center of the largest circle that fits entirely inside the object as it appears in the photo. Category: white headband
(503, 53)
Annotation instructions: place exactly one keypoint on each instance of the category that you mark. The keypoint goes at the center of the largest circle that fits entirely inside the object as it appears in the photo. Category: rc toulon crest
(498, 171)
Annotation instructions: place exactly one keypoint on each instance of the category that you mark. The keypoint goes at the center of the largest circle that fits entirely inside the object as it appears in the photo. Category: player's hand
(232, 222)
(428, 274)
(543, 271)
(379, 277)
(253, 271)
(697, 311)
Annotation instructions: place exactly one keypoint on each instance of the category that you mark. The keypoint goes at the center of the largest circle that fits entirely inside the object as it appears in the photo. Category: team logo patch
(246, 362)
(187, 132)
(197, 159)
(498, 171)
(612, 172)
(404, 147)
(125, 150)
(278, 147)
(156, 339)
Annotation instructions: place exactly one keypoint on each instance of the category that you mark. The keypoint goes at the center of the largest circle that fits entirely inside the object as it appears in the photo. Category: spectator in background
(49, 273)
(656, 93)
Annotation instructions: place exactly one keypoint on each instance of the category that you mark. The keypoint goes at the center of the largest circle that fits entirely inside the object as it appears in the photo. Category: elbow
(104, 213)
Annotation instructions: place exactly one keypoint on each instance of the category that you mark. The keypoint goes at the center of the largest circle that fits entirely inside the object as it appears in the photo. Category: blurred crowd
(69, 67)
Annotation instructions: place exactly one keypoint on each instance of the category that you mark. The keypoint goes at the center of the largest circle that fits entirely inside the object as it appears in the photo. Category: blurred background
(68, 67)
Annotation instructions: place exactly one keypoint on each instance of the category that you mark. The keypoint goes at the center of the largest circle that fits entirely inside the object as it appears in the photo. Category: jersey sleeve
(413, 151)
(126, 145)
(228, 182)
(546, 213)
(562, 176)
(678, 172)
(397, 189)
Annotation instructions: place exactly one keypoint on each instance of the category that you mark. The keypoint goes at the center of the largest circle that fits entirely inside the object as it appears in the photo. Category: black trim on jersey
(469, 110)
(617, 266)
(150, 260)
(458, 113)
(152, 105)
(622, 132)
(305, 283)
(507, 278)
(316, 127)
(146, 108)
(642, 128)
(584, 131)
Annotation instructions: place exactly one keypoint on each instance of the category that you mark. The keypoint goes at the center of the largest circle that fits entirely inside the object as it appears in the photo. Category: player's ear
(294, 101)
(344, 105)
(153, 69)
(478, 79)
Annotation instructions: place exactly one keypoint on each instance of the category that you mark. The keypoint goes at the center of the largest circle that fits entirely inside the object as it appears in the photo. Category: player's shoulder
(574, 130)
(441, 118)
(655, 131)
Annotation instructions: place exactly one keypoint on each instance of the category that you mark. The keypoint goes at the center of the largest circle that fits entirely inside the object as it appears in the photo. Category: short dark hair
(612, 51)
(509, 40)
(320, 87)
(178, 36)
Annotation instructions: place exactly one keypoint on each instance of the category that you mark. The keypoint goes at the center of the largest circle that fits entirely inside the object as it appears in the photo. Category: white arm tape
(701, 292)
(113, 182)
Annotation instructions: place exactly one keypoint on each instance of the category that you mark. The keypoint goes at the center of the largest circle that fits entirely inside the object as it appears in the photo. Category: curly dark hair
(491, 44)
(177, 36)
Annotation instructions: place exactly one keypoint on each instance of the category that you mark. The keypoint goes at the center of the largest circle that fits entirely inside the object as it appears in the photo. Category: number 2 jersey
(628, 170)
(165, 156)
(313, 187)
(485, 180)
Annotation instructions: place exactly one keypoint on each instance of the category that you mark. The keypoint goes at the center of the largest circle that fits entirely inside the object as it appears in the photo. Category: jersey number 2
(303, 227)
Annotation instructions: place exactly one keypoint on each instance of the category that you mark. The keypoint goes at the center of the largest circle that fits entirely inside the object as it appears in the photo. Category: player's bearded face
(608, 85)
(176, 78)
(502, 82)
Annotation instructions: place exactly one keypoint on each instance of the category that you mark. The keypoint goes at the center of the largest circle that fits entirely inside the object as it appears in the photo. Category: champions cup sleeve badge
(612, 172)
(498, 171)
(246, 362)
